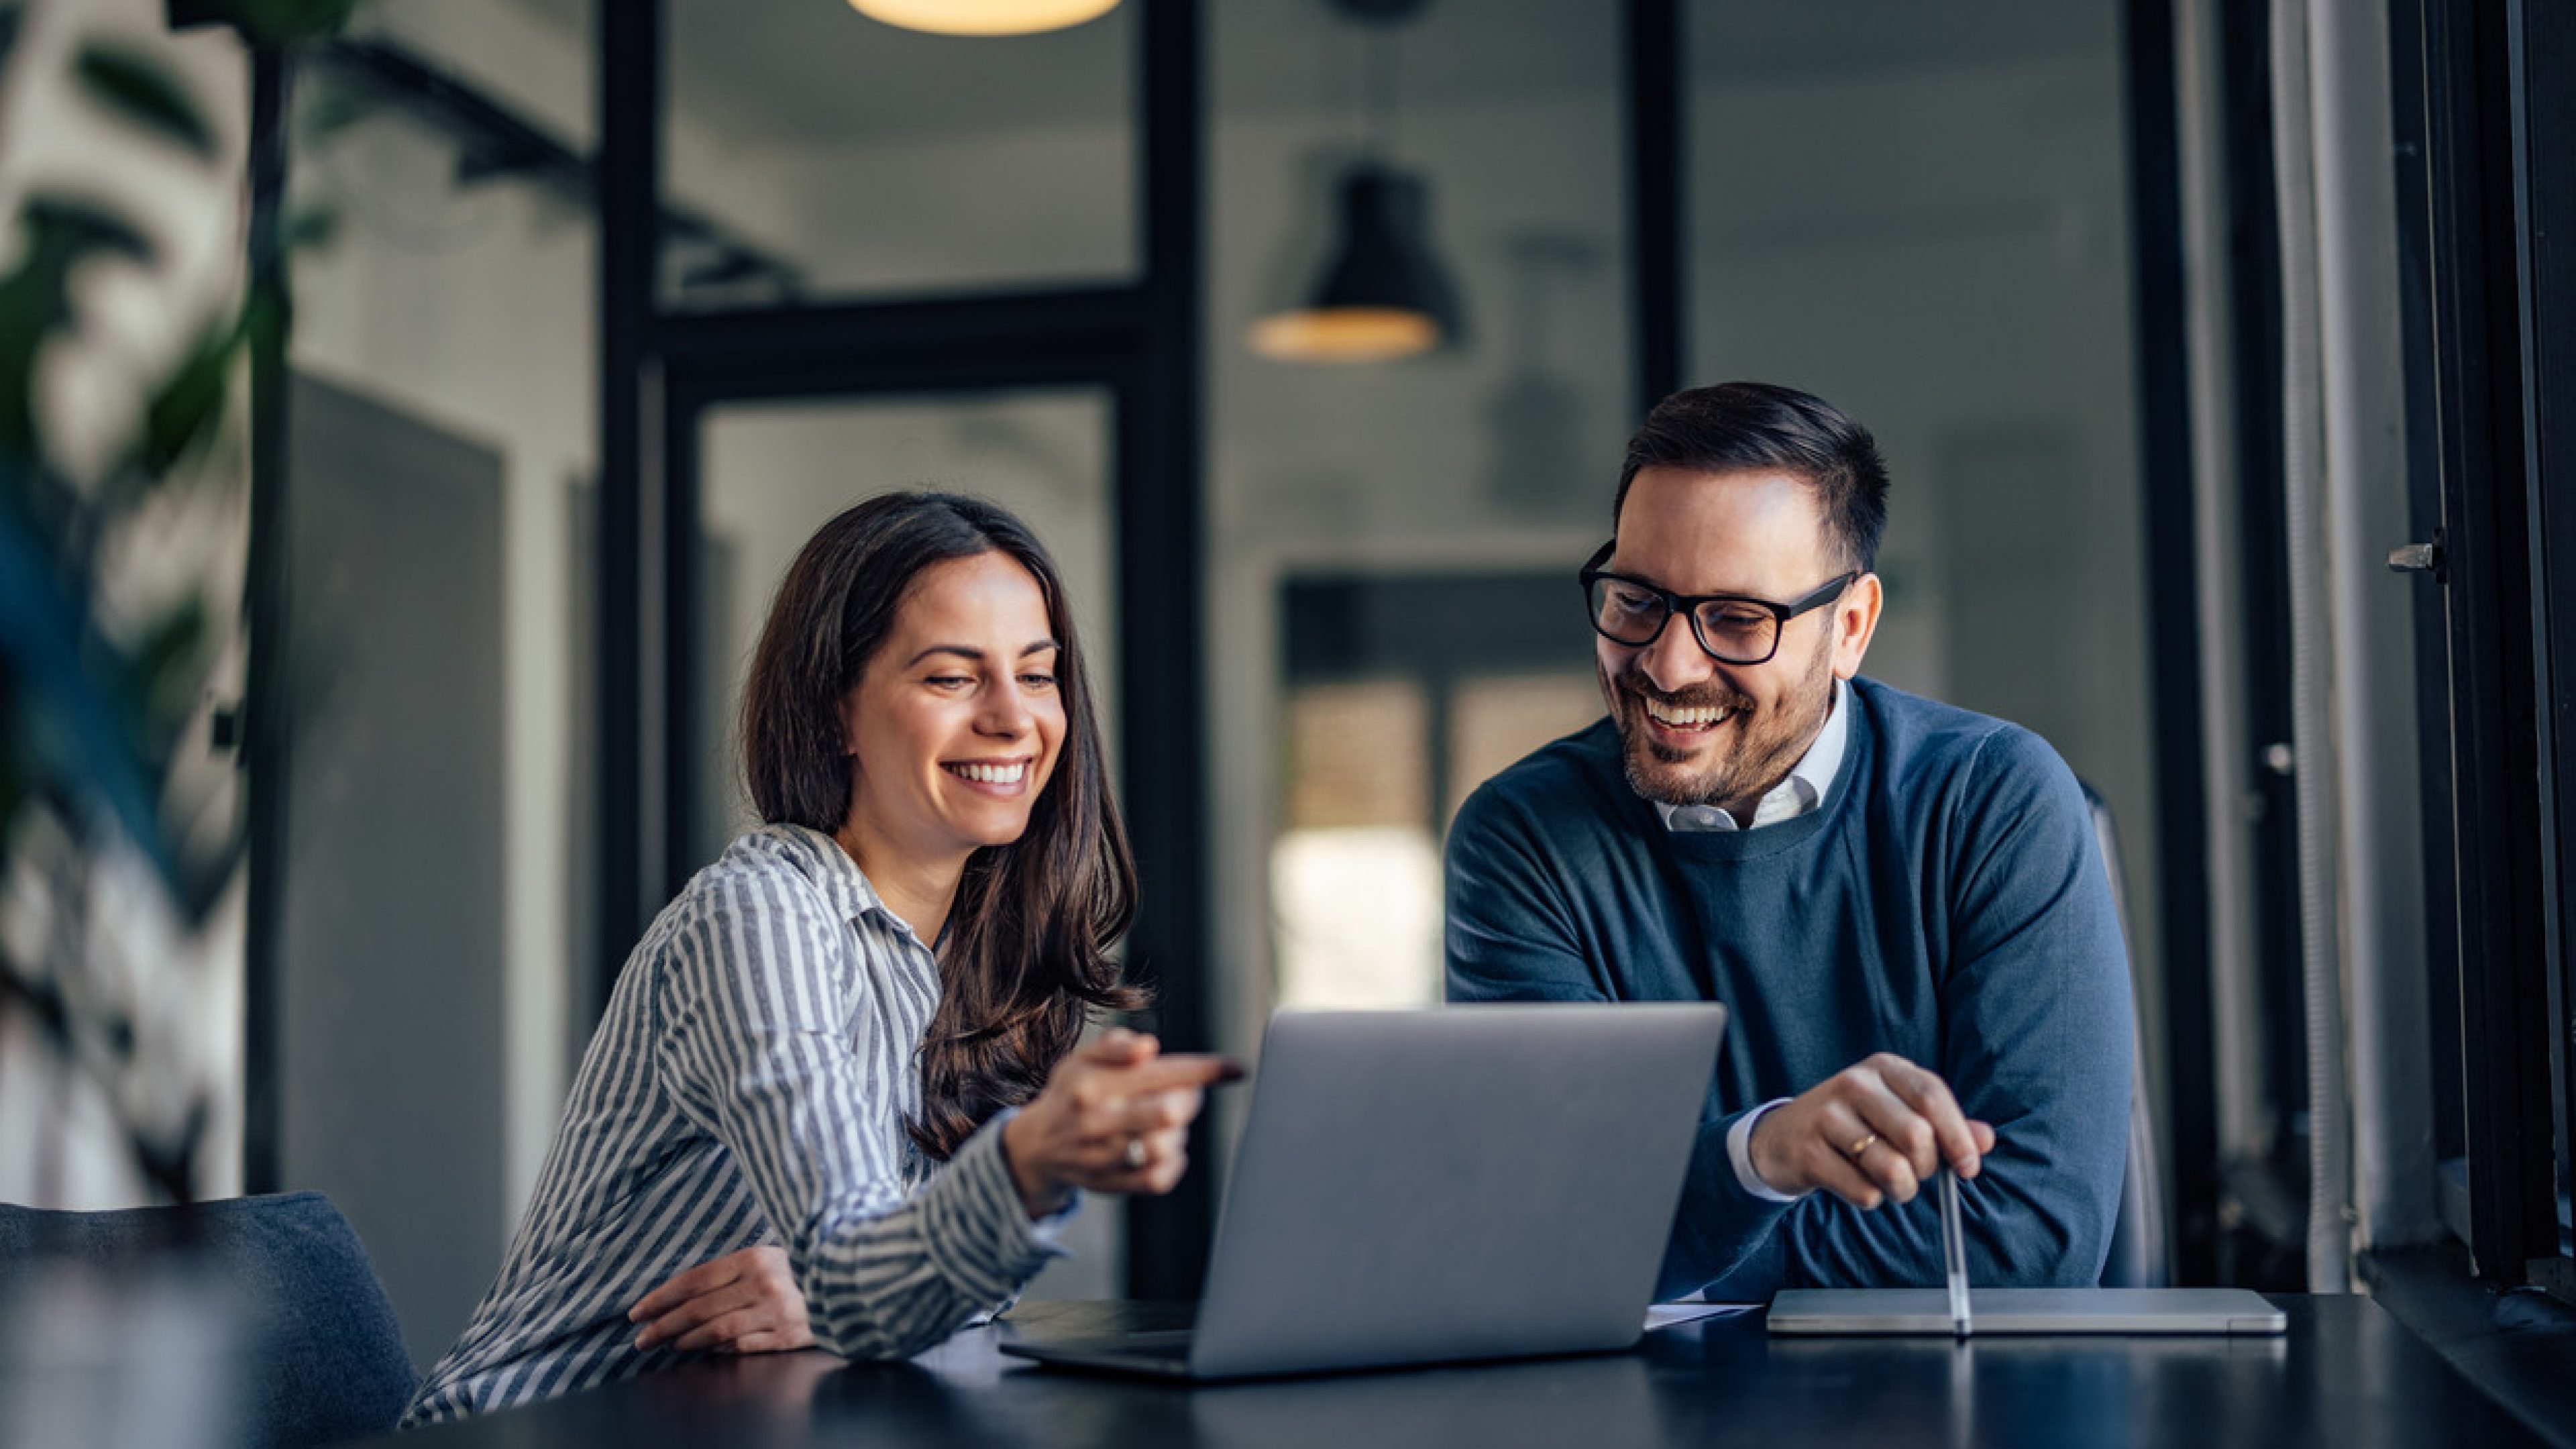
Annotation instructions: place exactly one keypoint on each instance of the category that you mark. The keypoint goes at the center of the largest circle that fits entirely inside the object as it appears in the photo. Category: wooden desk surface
(2345, 1375)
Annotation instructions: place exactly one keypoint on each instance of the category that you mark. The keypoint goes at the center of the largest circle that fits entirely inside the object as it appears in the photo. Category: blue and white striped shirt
(750, 1083)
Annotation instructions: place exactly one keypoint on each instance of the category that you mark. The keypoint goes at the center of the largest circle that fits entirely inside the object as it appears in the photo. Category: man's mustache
(1700, 697)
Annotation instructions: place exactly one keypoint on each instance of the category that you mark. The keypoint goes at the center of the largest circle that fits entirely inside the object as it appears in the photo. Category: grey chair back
(2140, 1257)
(326, 1355)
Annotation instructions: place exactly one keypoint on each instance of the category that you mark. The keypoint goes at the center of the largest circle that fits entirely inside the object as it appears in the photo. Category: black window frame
(2487, 304)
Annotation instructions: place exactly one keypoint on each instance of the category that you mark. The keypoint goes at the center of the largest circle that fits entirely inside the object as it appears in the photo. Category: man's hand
(1114, 1117)
(1870, 1132)
(743, 1302)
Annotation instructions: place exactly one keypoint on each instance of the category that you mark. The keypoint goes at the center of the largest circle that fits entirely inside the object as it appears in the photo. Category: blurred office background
(623, 300)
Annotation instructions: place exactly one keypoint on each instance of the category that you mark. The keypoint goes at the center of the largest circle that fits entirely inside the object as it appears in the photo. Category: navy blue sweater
(1946, 902)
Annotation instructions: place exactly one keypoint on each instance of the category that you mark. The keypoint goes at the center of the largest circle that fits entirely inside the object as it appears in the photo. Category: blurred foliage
(267, 22)
(127, 81)
(92, 713)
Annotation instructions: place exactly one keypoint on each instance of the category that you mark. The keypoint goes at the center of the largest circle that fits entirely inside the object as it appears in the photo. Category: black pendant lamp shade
(1382, 296)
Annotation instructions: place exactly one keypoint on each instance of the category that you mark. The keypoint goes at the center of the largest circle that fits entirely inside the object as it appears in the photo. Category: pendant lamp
(984, 17)
(1382, 294)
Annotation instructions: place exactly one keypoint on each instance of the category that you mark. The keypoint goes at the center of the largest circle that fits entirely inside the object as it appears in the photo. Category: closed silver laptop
(1926, 1311)
(1443, 1184)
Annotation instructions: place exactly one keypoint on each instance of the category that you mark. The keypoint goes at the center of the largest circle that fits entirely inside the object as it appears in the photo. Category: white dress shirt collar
(1803, 790)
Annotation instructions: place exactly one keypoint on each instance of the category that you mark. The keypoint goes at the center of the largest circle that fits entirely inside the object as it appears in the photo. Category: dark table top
(2345, 1375)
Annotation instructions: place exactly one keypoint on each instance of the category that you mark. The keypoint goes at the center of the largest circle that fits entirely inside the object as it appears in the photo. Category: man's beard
(1756, 750)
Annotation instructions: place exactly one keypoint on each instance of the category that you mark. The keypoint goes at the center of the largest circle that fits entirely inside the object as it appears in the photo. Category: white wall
(1004, 209)
(474, 314)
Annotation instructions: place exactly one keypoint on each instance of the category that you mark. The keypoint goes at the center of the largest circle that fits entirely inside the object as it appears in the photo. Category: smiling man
(1900, 902)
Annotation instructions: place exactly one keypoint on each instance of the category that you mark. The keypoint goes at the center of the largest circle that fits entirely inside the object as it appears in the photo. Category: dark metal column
(630, 877)
(1163, 704)
(2159, 306)
(264, 715)
(2542, 54)
(2455, 95)
(1653, 58)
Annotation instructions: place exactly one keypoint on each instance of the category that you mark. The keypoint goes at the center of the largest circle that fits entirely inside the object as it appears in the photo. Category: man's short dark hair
(1739, 427)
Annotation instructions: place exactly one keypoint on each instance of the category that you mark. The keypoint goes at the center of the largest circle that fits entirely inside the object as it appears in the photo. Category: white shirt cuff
(1048, 1232)
(1739, 1151)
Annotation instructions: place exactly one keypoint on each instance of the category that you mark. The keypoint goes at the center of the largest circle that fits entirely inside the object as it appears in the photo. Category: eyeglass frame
(1688, 605)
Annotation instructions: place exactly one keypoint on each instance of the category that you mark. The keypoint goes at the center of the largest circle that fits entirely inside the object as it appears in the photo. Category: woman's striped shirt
(750, 1083)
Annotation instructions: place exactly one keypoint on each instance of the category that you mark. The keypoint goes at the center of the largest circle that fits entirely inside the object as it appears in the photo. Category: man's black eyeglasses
(1732, 628)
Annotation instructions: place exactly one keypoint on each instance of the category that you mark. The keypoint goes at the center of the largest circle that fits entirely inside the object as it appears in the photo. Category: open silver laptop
(1926, 1311)
(1442, 1184)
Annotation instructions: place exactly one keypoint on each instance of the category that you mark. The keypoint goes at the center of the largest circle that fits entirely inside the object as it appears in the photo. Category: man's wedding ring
(1135, 1153)
(1856, 1149)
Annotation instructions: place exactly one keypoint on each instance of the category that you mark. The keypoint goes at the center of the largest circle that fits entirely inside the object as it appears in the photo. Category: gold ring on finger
(1856, 1149)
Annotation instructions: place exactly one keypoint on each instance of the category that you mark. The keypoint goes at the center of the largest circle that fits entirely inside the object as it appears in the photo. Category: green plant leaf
(133, 84)
(327, 105)
(161, 674)
(309, 226)
(188, 412)
(77, 742)
(284, 22)
(35, 301)
(13, 757)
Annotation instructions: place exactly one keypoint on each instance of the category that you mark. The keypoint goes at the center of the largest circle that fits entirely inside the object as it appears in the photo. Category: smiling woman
(836, 1098)
(956, 731)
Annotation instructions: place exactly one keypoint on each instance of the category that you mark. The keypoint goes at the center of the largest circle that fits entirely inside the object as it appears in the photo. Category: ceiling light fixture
(984, 17)
(1382, 295)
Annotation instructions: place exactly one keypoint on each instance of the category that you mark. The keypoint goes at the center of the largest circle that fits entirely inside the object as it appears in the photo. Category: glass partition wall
(1392, 544)
(1341, 594)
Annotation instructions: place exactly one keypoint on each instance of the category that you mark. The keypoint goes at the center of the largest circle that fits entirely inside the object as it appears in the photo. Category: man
(1901, 903)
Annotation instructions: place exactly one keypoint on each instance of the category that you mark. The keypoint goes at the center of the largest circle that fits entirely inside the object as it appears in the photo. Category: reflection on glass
(814, 153)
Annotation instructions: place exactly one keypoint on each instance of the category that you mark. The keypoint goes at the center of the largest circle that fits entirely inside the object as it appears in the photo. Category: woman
(853, 1036)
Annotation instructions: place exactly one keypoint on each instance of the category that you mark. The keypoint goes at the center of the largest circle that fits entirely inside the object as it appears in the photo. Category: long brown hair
(1026, 955)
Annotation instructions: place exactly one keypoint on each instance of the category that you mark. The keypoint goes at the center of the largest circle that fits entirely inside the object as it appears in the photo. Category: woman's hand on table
(744, 1302)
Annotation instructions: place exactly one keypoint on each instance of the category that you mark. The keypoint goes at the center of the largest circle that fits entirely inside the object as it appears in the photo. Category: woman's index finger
(1186, 1069)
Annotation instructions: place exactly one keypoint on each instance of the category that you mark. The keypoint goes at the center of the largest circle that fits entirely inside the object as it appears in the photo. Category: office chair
(326, 1355)
(2138, 1245)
